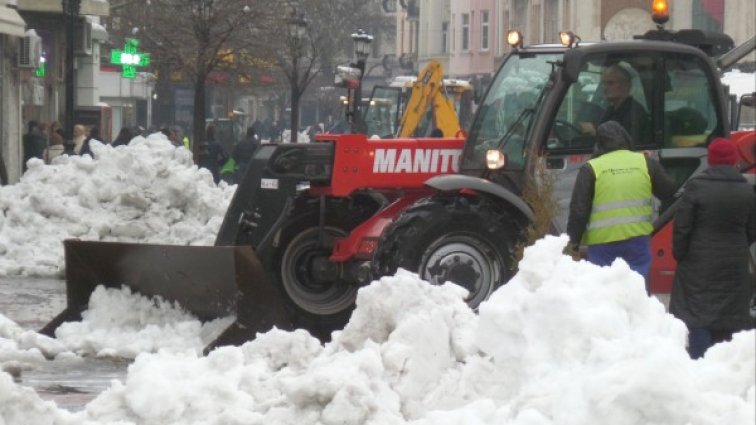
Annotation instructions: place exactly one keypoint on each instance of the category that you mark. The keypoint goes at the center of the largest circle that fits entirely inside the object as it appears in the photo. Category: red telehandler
(310, 224)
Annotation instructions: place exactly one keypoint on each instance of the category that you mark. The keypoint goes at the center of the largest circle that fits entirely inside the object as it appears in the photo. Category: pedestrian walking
(715, 223)
(34, 142)
(611, 207)
(79, 137)
(244, 150)
(124, 137)
(55, 142)
(211, 155)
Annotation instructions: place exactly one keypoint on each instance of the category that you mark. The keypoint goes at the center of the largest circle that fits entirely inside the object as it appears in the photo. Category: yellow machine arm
(428, 92)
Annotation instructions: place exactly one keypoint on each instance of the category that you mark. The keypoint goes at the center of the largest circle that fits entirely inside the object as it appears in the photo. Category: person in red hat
(715, 224)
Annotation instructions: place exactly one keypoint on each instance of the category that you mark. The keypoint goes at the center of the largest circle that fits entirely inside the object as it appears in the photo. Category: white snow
(740, 83)
(148, 191)
(564, 342)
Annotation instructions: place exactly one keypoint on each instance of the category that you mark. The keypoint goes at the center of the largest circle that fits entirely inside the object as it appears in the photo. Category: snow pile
(564, 343)
(22, 406)
(19, 346)
(148, 191)
(119, 323)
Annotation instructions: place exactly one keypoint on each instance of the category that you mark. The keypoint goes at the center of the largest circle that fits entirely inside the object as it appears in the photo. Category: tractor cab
(546, 102)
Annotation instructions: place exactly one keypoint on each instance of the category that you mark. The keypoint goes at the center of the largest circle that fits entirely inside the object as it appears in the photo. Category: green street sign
(129, 58)
(41, 71)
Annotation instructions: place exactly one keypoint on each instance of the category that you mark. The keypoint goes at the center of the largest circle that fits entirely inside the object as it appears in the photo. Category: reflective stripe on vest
(622, 201)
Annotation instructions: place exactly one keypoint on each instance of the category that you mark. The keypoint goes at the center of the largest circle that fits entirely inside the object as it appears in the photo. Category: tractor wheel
(318, 293)
(465, 240)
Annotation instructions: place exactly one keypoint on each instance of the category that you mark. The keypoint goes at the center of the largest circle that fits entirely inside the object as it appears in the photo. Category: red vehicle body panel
(387, 164)
(663, 264)
(402, 166)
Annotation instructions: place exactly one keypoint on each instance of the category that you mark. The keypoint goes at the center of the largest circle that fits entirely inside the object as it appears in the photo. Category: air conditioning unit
(83, 39)
(30, 52)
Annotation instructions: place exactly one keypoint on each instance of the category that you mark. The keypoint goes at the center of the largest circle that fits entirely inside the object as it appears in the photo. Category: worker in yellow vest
(611, 210)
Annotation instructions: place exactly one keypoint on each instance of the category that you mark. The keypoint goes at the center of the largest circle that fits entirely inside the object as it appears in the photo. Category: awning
(11, 22)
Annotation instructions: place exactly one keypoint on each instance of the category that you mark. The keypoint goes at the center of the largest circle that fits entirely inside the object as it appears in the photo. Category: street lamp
(362, 42)
(71, 12)
(297, 27)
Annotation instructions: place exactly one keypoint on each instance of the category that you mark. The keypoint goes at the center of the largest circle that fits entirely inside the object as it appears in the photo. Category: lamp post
(297, 27)
(71, 12)
(362, 42)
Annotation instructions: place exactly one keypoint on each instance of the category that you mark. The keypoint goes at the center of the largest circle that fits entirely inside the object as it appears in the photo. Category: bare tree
(304, 37)
(195, 37)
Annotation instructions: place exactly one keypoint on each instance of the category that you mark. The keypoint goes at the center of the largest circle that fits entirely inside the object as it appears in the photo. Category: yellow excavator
(429, 91)
(415, 106)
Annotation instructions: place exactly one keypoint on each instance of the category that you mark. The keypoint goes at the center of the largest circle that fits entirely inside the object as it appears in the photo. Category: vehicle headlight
(495, 159)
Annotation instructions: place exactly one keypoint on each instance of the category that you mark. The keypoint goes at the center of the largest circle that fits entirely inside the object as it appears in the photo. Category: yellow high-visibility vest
(622, 200)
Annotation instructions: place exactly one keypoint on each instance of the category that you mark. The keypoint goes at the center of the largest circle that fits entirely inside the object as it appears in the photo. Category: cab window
(608, 88)
(690, 117)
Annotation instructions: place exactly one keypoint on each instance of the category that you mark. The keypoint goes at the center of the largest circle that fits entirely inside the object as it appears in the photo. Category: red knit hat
(722, 152)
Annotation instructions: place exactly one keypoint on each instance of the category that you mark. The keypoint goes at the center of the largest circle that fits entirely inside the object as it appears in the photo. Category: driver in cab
(616, 83)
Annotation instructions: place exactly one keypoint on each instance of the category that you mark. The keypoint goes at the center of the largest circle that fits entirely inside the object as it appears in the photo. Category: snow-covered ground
(564, 342)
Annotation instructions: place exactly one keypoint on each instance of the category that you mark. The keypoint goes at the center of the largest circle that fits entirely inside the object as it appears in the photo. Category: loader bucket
(207, 281)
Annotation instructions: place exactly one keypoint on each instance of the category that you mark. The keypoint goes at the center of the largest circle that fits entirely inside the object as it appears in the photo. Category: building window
(465, 31)
(708, 15)
(551, 21)
(484, 30)
(454, 34)
(389, 6)
(444, 37)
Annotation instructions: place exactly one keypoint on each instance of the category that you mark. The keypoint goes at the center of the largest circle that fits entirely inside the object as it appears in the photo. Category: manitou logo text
(416, 160)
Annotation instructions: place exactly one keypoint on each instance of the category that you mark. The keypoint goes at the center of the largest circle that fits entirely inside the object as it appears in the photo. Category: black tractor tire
(318, 293)
(468, 240)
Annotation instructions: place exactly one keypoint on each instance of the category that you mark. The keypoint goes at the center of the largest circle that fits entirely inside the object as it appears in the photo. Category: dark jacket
(662, 186)
(243, 152)
(86, 148)
(212, 157)
(633, 118)
(715, 223)
(34, 145)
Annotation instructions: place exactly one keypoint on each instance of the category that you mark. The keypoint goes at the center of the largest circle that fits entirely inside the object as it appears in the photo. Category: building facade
(12, 30)
(468, 36)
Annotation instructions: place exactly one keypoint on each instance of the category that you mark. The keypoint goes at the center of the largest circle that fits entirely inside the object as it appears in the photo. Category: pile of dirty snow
(564, 342)
(148, 191)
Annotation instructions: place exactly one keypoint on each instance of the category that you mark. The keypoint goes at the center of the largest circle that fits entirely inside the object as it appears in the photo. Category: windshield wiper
(505, 138)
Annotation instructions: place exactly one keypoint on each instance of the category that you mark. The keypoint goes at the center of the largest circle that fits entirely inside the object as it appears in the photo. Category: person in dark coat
(611, 204)
(211, 155)
(34, 142)
(93, 134)
(715, 224)
(124, 137)
(243, 151)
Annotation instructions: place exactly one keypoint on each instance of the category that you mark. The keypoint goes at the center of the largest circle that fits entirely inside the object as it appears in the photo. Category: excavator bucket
(207, 281)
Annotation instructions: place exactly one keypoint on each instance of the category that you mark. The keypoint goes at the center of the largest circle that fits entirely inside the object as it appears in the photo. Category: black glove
(573, 250)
